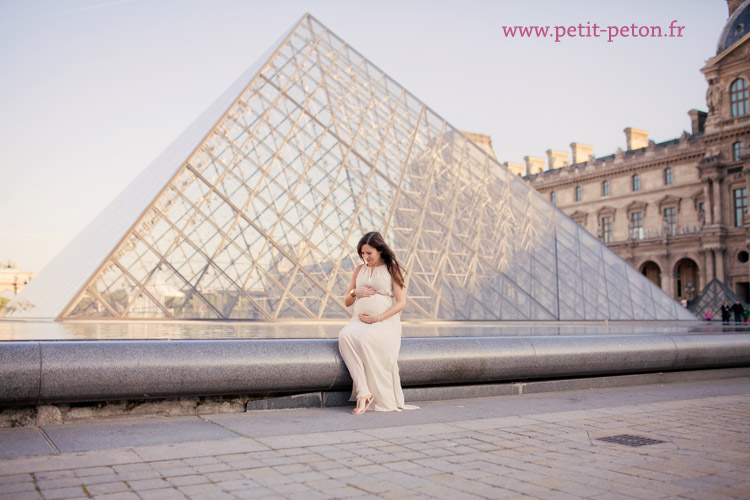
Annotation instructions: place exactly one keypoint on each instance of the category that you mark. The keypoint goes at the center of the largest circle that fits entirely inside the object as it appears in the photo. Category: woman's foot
(363, 404)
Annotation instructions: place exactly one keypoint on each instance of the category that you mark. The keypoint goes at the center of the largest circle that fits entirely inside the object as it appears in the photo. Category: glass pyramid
(255, 212)
(711, 299)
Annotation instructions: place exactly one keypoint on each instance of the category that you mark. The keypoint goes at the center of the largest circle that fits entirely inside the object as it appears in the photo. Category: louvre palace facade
(676, 210)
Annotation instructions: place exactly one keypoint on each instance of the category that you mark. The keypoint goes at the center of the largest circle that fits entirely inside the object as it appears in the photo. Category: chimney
(481, 140)
(733, 4)
(698, 121)
(635, 138)
(515, 168)
(556, 159)
(581, 152)
(534, 165)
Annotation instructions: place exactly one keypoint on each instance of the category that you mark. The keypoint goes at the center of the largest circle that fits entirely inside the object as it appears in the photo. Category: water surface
(141, 330)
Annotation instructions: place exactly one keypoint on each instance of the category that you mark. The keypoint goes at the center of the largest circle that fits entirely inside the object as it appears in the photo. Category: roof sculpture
(254, 212)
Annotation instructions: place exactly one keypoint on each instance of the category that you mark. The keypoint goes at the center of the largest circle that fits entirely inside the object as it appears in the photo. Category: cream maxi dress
(370, 351)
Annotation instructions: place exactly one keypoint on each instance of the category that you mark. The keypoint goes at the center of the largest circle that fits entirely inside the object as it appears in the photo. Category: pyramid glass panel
(640, 294)
(256, 210)
(570, 273)
(91, 307)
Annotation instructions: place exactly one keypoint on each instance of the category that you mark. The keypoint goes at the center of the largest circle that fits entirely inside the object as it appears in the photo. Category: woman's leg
(349, 348)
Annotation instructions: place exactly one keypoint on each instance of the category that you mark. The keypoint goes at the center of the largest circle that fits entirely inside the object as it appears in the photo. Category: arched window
(636, 182)
(553, 198)
(605, 188)
(738, 97)
(668, 176)
(651, 271)
(579, 193)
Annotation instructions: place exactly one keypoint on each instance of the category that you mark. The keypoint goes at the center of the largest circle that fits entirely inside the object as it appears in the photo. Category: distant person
(737, 309)
(708, 315)
(746, 315)
(725, 312)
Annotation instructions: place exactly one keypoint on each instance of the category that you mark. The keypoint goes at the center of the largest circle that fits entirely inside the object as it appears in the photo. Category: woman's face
(370, 255)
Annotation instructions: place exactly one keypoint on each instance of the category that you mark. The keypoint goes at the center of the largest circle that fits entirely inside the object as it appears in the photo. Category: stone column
(668, 280)
(708, 203)
(713, 264)
(706, 271)
(720, 265)
(716, 202)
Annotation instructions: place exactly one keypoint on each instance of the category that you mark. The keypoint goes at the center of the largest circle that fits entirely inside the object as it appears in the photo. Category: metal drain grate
(630, 440)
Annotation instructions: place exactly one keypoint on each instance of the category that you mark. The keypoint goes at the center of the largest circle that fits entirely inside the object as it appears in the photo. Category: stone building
(676, 210)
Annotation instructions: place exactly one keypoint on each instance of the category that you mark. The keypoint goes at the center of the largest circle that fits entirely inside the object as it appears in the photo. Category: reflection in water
(135, 330)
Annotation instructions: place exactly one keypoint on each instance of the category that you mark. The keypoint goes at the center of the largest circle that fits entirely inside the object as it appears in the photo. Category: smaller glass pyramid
(711, 299)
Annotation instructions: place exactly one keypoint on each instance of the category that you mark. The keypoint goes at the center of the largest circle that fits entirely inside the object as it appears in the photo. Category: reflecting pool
(141, 330)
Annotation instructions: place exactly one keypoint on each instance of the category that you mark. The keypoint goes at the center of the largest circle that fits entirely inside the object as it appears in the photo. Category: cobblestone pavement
(540, 446)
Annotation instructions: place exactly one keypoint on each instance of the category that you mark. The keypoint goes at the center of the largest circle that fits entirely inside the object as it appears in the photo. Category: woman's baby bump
(375, 304)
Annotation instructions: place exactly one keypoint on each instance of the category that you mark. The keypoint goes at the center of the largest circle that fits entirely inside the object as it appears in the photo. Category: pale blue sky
(93, 90)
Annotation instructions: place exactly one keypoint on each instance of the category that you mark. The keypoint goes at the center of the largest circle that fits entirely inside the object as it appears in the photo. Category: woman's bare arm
(349, 300)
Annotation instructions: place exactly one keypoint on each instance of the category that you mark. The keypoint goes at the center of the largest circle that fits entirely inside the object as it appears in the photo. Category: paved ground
(533, 446)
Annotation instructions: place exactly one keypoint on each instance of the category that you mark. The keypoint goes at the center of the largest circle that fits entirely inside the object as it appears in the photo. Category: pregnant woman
(370, 342)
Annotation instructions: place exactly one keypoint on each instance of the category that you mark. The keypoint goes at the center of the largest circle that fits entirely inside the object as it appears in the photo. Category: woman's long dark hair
(376, 241)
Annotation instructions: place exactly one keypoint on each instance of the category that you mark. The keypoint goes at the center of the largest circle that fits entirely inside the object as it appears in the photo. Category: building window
(605, 188)
(553, 198)
(670, 221)
(737, 148)
(636, 182)
(740, 206)
(579, 218)
(579, 193)
(607, 229)
(668, 176)
(636, 225)
(738, 97)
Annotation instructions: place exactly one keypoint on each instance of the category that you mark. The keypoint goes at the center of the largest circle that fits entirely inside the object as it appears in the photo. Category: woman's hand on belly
(364, 292)
(369, 318)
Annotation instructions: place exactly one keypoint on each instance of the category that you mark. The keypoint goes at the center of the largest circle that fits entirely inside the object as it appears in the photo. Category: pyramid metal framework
(255, 212)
